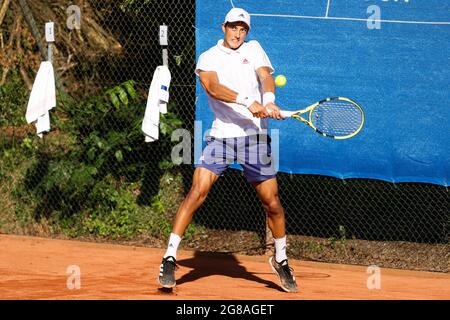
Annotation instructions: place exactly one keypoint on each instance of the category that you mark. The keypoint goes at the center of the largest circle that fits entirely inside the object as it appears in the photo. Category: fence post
(164, 41)
(50, 38)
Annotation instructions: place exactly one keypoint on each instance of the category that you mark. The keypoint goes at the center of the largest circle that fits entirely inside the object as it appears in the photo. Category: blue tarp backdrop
(398, 71)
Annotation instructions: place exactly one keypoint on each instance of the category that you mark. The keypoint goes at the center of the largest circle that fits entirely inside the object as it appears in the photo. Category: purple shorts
(252, 153)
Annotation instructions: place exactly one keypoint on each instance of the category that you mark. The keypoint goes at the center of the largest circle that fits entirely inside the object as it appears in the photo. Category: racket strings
(337, 118)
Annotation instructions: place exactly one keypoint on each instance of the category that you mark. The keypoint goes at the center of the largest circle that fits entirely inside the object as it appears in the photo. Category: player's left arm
(268, 87)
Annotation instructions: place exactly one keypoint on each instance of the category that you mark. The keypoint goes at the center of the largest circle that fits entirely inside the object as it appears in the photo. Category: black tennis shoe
(167, 272)
(285, 274)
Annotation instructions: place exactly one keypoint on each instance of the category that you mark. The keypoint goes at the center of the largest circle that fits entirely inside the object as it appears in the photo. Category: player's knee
(197, 194)
(273, 207)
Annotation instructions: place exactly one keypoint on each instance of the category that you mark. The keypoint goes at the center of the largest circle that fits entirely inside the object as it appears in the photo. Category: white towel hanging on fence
(42, 98)
(158, 97)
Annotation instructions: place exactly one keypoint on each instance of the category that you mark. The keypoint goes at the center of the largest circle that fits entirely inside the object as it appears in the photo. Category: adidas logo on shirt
(245, 61)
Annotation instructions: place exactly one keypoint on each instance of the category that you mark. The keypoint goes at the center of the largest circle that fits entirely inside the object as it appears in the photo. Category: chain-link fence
(94, 174)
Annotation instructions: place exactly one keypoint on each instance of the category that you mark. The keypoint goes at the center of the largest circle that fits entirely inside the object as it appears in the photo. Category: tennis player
(237, 77)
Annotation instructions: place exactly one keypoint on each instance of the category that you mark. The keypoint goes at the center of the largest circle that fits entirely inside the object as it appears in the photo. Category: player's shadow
(205, 264)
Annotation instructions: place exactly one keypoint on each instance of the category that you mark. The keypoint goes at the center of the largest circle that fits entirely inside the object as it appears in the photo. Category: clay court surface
(40, 268)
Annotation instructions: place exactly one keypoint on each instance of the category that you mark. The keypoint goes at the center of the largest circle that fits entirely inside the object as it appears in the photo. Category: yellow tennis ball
(280, 80)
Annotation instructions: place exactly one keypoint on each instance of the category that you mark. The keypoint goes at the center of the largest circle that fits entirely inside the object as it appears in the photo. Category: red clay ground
(36, 268)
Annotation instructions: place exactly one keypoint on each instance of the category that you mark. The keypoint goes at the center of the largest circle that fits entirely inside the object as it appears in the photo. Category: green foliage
(315, 247)
(169, 123)
(133, 5)
(88, 176)
(342, 236)
(332, 244)
(109, 131)
(165, 228)
(191, 230)
(178, 59)
(117, 222)
(13, 101)
(119, 94)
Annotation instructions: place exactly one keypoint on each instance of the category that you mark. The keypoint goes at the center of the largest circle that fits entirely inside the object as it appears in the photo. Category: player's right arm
(210, 82)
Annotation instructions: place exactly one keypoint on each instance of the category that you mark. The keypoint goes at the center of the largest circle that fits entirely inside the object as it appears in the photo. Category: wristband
(268, 97)
(244, 100)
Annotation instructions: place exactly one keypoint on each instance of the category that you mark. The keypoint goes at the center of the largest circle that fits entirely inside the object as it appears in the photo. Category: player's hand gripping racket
(336, 118)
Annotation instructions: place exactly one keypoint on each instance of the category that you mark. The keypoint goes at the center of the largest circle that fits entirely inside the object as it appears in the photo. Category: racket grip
(286, 114)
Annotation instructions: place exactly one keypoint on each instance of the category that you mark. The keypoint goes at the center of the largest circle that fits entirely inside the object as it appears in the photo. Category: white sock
(280, 249)
(172, 247)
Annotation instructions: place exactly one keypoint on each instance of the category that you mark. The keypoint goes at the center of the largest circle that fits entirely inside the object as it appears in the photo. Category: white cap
(238, 14)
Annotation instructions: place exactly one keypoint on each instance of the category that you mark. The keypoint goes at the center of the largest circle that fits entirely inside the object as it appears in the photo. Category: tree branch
(3, 10)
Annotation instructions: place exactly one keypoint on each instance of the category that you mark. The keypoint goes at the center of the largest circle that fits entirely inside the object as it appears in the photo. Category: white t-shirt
(236, 69)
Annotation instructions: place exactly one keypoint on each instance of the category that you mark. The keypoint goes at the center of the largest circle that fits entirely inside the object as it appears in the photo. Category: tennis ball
(280, 80)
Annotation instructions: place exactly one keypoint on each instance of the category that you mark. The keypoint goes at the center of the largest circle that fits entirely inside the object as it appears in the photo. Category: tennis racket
(336, 118)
